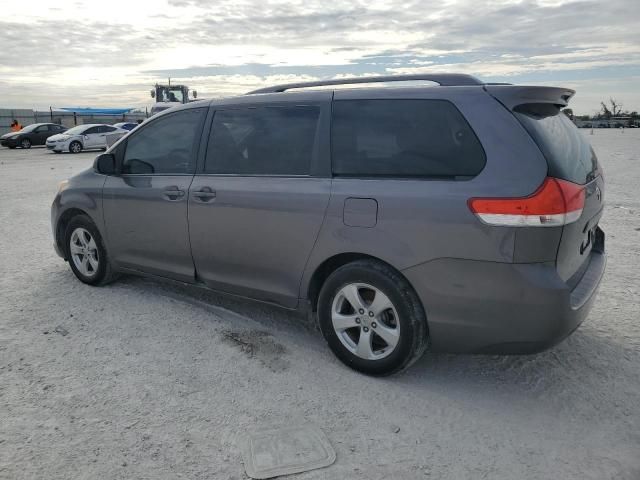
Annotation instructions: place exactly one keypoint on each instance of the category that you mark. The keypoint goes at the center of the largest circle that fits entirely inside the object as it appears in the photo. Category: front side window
(263, 141)
(79, 130)
(166, 145)
(92, 130)
(403, 138)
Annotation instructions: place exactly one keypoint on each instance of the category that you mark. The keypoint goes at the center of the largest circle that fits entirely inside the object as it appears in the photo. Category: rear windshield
(569, 155)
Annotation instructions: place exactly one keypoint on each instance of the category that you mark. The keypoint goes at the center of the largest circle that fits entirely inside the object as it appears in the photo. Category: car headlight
(62, 185)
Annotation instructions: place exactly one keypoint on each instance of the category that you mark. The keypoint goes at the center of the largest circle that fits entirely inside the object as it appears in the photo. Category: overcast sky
(110, 53)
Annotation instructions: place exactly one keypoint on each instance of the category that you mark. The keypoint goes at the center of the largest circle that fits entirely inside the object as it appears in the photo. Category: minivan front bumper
(503, 308)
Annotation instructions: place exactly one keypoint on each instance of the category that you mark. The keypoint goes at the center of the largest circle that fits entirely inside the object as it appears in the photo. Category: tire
(391, 310)
(25, 143)
(12, 148)
(75, 147)
(83, 235)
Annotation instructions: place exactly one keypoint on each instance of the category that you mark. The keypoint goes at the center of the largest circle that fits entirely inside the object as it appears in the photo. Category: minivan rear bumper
(502, 308)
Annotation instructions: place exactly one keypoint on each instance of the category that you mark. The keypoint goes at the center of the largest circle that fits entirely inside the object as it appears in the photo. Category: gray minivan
(461, 217)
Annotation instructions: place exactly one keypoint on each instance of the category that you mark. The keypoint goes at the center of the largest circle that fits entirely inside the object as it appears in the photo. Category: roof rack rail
(443, 79)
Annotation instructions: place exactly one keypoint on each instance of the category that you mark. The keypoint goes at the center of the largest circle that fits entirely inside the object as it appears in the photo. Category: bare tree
(616, 108)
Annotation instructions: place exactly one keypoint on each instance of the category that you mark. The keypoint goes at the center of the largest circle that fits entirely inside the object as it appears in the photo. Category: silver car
(456, 218)
(84, 137)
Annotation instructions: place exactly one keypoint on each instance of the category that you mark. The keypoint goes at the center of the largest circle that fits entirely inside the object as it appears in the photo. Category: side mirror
(195, 94)
(153, 94)
(106, 164)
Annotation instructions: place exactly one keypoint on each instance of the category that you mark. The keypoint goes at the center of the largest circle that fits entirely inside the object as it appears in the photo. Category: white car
(84, 137)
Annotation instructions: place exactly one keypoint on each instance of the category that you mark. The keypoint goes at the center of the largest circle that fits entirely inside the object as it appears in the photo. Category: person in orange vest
(15, 126)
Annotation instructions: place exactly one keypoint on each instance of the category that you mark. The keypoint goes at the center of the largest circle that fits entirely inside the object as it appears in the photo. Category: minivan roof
(509, 95)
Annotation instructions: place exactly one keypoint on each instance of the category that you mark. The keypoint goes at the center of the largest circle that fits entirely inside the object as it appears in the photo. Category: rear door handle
(173, 193)
(206, 194)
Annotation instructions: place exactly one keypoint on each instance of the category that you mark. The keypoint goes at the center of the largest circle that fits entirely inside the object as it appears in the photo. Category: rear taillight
(556, 202)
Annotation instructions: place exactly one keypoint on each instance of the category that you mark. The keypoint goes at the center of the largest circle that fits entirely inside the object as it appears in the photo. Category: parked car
(125, 125)
(458, 218)
(83, 137)
(35, 134)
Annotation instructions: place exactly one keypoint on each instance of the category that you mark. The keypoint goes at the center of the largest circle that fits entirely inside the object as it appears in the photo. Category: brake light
(556, 202)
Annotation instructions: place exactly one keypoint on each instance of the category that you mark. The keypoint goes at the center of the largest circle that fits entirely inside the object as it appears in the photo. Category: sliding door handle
(205, 194)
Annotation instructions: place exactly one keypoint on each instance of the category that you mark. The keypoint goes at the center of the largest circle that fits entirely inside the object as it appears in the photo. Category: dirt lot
(146, 380)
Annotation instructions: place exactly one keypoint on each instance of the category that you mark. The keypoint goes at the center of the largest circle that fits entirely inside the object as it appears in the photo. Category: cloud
(111, 56)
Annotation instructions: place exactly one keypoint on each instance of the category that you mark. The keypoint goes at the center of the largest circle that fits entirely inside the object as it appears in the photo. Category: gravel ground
(148, 380)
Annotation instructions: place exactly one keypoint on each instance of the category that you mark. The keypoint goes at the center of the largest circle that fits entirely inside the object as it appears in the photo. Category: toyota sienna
(461, 217)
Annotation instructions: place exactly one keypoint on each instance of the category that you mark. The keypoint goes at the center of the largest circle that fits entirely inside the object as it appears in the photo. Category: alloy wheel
(84, 252)
(365, 321)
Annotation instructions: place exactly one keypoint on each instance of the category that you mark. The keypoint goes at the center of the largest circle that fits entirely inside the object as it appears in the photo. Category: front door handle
(173, 193)
(206, 194)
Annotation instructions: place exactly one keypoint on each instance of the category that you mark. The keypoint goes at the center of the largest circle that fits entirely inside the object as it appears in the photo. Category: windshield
(76, 130)
(170, 94)
(569, 155)
(30, 128)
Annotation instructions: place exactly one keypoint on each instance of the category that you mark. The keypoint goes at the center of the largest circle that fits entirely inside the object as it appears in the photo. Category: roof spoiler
(513, 95)
(443, 79)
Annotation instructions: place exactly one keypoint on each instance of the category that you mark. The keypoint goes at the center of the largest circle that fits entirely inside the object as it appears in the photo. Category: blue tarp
(97, 111)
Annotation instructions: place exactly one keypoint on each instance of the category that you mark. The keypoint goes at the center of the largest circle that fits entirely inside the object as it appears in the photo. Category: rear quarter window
(403, 138)
(569, 155)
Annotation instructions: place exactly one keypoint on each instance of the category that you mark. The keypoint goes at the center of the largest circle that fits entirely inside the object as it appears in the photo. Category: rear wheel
(75, 147)
(86, 253)
(25, 143)
(371, 318)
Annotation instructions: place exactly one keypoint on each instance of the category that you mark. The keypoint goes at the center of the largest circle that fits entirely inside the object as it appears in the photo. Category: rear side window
(569, 155)
(263, 141)
(403, 138)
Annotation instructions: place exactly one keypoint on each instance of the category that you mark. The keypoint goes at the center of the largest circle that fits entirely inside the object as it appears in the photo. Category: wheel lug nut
(361, 311)
(371, 314)
(373, 325)
(357, 320)
(366, 329)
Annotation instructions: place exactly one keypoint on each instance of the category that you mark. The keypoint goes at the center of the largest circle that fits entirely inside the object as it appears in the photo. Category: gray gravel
(147, 380)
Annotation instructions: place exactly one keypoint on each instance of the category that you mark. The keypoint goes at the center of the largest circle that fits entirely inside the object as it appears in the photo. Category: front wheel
(75, 147)
(86, 253)
(371, 318)
(25, 143)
